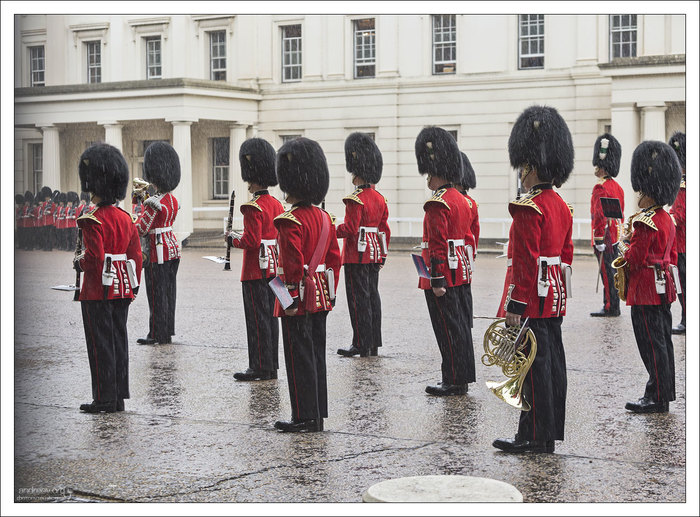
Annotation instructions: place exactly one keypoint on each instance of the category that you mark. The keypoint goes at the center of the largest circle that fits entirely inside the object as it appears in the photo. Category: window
(454, 134)
(444, 44)
(36, 66)
(37, 168)
(531, 41)
(291, 53)
(365, 48)
(217, 53)
(94, 61)
(623, 35)
(220, 164)
(288, 138)
(153, 61)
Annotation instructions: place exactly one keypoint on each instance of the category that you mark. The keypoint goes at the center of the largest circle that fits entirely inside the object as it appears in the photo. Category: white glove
(600, 247)
(234, 234)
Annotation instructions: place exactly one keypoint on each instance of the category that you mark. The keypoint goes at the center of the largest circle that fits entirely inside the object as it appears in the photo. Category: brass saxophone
(620, 265)
(505, 347)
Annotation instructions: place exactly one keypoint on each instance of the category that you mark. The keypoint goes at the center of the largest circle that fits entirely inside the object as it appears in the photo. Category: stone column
(182, 142)
(51, 158)
(113, 134)
(625, 127)
(653, 121)
(237, 135)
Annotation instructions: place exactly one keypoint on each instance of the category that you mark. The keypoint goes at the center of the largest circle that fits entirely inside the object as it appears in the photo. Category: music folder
(420, 266)
(281, 292)
(611, 207)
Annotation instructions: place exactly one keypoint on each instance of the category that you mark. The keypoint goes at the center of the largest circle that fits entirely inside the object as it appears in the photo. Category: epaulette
(134, 218)
(353, 197)
(437, 197)
(683, 183)
(331, 216)
(602, 180)
(90, 215)
(645, 217)
(527, 200)
(571, 208)
(253, 203)
(289, 216)
(154, 201)
(469, 201)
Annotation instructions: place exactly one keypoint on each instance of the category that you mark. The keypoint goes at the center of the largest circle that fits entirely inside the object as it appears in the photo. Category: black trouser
(453, 335)
(681, 274)
(652, 330)
(468, 305)
(364, 305)
(161, 288)
(544, 387)
(304, 341)
(611, 300)
(107, 347)
(261, 326)
(46, 237)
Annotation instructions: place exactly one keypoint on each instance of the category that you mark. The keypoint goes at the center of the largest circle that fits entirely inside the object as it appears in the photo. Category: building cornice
(643, 61)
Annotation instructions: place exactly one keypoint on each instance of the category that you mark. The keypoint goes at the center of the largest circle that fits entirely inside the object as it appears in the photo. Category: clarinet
(229, 226)
(78, 251)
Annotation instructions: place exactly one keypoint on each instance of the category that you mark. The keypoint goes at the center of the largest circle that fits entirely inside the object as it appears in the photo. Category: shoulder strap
(321, 245)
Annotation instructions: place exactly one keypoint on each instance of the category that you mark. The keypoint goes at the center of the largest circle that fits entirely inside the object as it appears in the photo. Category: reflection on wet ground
(191, 432)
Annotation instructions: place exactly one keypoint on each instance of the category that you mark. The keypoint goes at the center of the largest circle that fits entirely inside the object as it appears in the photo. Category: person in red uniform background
(366, 237)
(60, 221)
(259, 244)
(111, 266)
(656, 177)
(72, 219)
(677, 142)
(161, 167)
(309, 265)
(446, 227)
(467, 183)
(606, 160)
(27, 221)
(19, 222)
(45, 219)
(35, 219)
(539, 250)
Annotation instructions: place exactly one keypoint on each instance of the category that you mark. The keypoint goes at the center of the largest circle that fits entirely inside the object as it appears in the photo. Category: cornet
(141, 190)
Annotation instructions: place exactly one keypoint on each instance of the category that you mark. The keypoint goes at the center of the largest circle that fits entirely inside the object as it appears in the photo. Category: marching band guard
(60, 221)
(472, 238)
(111, 262)
(656, 177)
(72, 220)
(35, 219)
(446, 225)
(367, 235)
(677, 142)
(19, 222)
(161, 167)
(606, 160)
(309, 265)
(259, 244)
(540, 249)
(28, 221)
(45, 219)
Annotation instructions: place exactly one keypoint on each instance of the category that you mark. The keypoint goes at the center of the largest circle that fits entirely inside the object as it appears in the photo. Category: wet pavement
(191, 433)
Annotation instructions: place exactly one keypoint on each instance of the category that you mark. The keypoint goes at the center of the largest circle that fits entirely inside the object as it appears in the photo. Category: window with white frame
(453, 132)
(154, 69)
(291, 53)
(365, 48)
(37, 168)
(37, 66)
(444, 44)
(220, 167)
(217, 55)
(623, 35)
(531, 41)
(288, 138)
(94, 61)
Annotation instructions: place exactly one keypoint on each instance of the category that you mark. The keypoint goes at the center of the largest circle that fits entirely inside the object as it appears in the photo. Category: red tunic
(72, 214)
(60, 219)
(156, 221)
(298, 231)
(475, 228)
(258, 226)
(448, 217)
(364, 208)
(678, 213)
(47, 213)
(606, 187)
(35, 216)
(652, 243)
(108, 229)
(541, 227)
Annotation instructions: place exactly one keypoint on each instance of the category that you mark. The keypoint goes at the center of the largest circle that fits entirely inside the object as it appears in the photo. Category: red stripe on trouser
(449, 342)
(94, 351)
(255, 315)
(651, 341)
(153, 302)
(354, 305)
(607, 302)
(291, 356)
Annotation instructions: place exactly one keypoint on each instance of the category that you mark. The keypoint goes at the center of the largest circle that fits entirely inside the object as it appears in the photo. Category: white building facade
(206, 83)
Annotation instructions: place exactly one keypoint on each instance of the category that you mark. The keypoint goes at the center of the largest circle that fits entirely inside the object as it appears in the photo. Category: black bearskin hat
(363, 158)
(61, 198)
(677, 142)
(161, 166)
(437, 154)
(104, 172)
(302, 170)
(656, 171)
(85, 196)
(19, 199)
(72, 197)
(45, 192)
(257, 157)
(54, 196)
(607, 158)
(29, 197)
(468, 174)
(540, 138)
